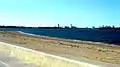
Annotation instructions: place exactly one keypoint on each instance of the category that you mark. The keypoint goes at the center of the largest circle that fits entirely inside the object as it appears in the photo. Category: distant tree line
(14, 27)
(66, 27)
(107, 27)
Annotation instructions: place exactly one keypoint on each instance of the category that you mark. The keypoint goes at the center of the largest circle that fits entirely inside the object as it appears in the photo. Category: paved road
(7, 61)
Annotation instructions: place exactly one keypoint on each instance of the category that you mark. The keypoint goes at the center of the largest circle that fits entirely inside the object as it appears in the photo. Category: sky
(80, 13)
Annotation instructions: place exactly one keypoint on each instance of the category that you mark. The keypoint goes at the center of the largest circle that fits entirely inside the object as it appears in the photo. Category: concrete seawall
(42, 59)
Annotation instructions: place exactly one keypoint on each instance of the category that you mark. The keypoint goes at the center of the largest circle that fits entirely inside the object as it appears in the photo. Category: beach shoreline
(68, 40)
(64, 47)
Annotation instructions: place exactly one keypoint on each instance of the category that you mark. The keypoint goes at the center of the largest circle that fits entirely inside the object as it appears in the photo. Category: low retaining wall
(40, 58)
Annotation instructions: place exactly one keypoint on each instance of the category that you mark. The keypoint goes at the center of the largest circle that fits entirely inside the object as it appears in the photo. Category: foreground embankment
(45, 60)
(40, 58)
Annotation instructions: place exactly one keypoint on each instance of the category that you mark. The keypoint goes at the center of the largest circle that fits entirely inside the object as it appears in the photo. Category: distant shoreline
(89, 35)
(68, 40)
(66, 27)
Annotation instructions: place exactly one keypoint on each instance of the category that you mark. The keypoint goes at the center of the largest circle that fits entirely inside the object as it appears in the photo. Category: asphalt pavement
(7, 61)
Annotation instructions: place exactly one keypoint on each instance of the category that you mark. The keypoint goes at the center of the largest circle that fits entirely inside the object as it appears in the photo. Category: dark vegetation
(107, 27)
(66, 27)
(56, 27)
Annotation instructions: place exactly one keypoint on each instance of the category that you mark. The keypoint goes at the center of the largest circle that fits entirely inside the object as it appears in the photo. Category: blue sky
(81, 13)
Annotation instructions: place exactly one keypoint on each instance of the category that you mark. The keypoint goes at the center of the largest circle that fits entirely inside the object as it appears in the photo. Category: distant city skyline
(79, 13)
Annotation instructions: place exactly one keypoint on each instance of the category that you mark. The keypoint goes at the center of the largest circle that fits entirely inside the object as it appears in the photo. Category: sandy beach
(66, 48)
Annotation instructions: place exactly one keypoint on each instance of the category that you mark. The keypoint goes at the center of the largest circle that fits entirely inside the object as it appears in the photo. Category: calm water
(108, 36)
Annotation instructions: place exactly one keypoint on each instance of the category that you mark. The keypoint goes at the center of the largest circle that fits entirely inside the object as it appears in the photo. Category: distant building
(67, 27)
(73, 27)
(58, 25)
